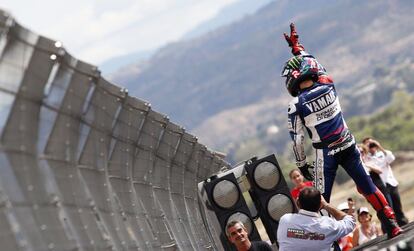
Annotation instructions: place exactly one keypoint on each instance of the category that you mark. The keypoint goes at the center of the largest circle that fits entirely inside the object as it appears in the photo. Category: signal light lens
(225, 194)
(266, 175)
(279, 205)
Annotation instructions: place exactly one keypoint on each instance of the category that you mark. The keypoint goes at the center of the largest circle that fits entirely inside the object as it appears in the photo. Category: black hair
(310, 199)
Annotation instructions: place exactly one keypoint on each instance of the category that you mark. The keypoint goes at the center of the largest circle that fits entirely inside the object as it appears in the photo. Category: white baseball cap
(343, 206)
(363, 210)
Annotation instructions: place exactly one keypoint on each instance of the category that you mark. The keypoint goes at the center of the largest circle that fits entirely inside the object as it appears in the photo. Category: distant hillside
(235, 65)
(226, 16)
(116, 64)
(205, 82)
(393, 126)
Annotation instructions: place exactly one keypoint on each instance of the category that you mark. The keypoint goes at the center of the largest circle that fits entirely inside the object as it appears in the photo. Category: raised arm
(299, 50)
(293, 41)
(336, 213)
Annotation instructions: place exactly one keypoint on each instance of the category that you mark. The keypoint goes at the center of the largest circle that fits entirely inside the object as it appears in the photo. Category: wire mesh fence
(85, 166)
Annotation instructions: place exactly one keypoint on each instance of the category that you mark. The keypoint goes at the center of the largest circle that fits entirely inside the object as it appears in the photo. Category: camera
(372, 144)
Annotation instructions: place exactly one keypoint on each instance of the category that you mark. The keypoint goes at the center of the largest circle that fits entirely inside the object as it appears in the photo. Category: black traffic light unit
(227, 201)
(269, 192)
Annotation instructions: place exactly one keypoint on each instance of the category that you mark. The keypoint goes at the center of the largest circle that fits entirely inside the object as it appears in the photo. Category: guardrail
(85, 166)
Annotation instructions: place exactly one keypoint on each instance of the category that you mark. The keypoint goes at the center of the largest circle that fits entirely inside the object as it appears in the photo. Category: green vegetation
(393, 126)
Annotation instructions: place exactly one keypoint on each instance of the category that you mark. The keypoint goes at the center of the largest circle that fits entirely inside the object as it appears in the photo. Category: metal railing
(85, 166)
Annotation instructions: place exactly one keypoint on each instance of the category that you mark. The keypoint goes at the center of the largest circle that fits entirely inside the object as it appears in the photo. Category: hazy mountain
(227, 83)
(226, 16)
(114, 64)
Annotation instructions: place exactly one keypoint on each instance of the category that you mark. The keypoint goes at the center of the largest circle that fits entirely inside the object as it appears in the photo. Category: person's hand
(293, 40)
(374, 169)
(323, 202)
(308, 174)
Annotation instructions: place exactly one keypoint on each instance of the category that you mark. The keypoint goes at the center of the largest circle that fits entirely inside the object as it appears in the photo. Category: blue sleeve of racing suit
(297, 132)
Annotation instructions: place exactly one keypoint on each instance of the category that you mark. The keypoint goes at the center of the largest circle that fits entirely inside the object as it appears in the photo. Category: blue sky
(95, 31)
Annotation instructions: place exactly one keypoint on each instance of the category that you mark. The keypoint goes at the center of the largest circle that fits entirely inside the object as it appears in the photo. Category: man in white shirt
(382, 158)
(307, 229)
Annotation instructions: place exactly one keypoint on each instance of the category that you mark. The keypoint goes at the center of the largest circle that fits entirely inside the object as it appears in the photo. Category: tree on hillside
(393, 126)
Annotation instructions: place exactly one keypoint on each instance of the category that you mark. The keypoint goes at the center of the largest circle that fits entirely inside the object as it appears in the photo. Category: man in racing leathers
(316, 109)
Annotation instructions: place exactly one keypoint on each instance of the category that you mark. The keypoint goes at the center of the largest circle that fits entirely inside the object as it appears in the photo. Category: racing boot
(384, 212)
(387, 218)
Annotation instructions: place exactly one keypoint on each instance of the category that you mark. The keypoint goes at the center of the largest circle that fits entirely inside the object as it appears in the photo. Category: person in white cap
(348, 207)
(367, 229)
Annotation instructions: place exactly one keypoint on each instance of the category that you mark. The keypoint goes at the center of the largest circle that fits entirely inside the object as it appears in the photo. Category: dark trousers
(396, 204)
(381, 186)
(326, 166)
